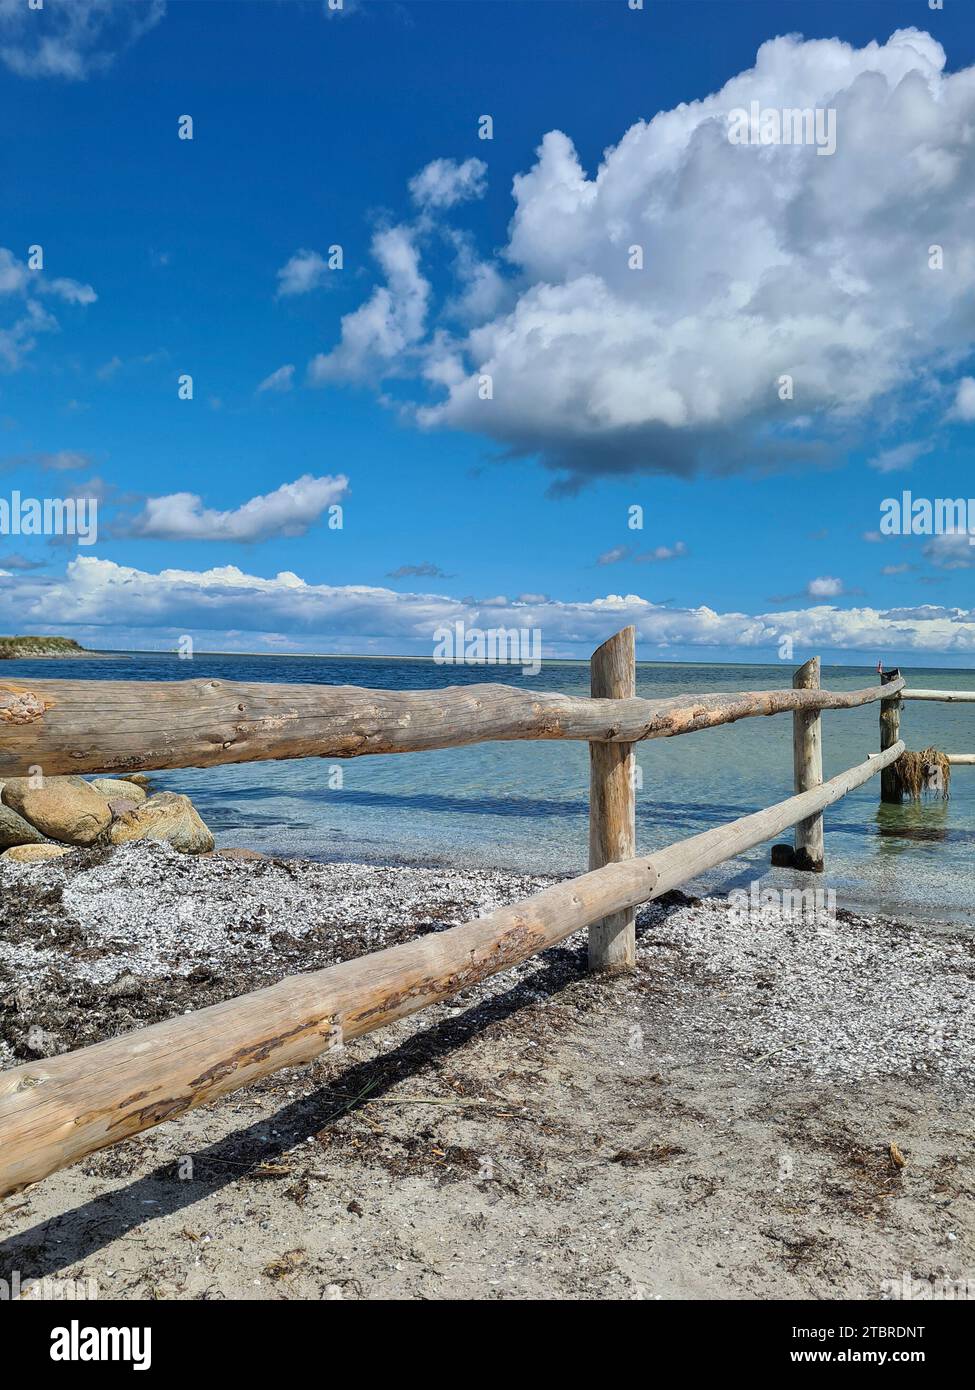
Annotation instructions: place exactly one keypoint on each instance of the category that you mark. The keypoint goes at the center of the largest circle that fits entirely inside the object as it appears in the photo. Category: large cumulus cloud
(758, 262)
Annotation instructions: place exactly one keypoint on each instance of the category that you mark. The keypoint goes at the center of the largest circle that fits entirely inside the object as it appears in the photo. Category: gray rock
(14, 830)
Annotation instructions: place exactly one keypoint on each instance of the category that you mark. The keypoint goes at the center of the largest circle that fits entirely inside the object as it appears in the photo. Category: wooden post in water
(807, 762)
(890, 725)
(612, 802)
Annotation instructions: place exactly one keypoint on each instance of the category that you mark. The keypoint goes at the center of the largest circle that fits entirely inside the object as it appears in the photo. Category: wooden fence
(57, 1110)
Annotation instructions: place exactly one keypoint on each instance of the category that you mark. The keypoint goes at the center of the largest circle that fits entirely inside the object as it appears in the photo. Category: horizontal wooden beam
(950, 697)
(111, 726)
(55, 1111)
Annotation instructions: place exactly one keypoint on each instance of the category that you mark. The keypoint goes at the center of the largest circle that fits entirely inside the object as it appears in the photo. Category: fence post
(807, 763)
(612, 802)
(890, 732)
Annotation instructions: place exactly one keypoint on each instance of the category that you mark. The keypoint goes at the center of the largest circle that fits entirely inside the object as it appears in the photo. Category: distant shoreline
(120, 652)
(43, 649)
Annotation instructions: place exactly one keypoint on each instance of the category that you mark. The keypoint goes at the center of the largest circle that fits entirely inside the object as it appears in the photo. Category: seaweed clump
(924, 773)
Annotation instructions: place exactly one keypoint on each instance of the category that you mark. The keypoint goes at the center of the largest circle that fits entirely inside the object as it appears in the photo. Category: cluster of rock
(42, 818)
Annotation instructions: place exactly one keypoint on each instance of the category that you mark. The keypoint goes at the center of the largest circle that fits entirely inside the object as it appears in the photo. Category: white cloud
(900, 457)
(613, 556)
(64, 460)
(16, 278)
(646, 557)
(662, 552)
(824, 587)
(964, 406)
(390, 321)
(14, 275)
(952, 551)
(303, 272)
(288, 511)
(19, 338)
(71, 38)
(482, 287)
(108, 369)
(24, 288)
(817, 268)
(105, 597)
(281, 380)
(69, 290)
(443, 183)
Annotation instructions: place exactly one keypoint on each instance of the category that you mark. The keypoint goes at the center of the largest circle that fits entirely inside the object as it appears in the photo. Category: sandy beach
(717, 1125)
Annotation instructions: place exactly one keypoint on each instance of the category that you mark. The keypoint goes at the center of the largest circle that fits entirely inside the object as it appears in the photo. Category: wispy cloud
(901, 457)
(24, 288)
(424, 571)
(281, 380)
(64, 460)
(645, 557)
(301, 273)
(59, 461)
(964, 406)
(290, 510)
(72, 39)
(391, 320)
(443, 183)
(953, 551)
(17, 561)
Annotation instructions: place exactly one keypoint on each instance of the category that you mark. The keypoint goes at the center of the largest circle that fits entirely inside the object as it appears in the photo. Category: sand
(718, 1125)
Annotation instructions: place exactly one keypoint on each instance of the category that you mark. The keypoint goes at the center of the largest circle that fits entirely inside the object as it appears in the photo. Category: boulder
(117, 789)
(14, 830)
(68, 809)
(165, 816)
(31, 854)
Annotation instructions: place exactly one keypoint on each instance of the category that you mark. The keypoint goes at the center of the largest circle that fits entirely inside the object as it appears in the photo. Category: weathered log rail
(947, 697)
(56, 1111)
(65, 726)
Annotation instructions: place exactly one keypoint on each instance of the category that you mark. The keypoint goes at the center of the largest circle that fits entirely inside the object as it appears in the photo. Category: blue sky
(612, 387)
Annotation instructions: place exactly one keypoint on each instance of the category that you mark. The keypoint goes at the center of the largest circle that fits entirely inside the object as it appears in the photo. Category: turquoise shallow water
(524, 805)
